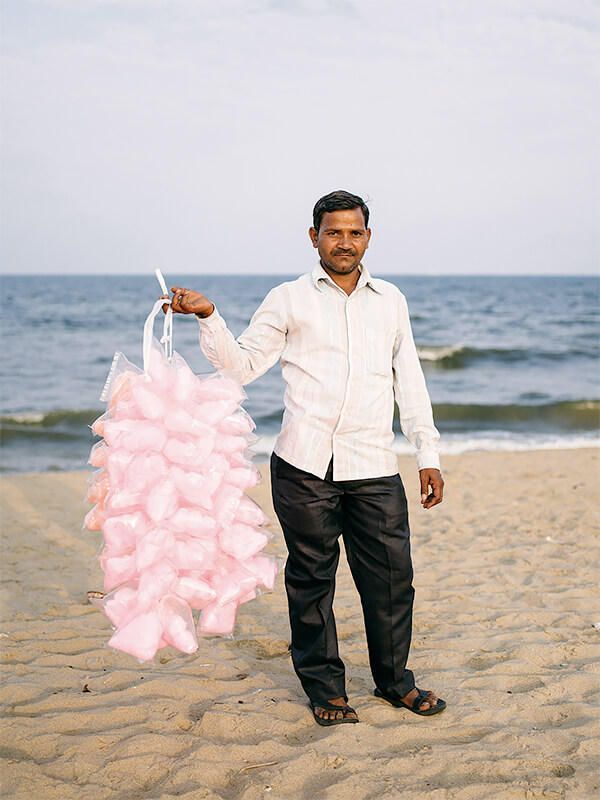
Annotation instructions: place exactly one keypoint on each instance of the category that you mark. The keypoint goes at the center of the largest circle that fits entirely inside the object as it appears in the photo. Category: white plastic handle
(167, 338)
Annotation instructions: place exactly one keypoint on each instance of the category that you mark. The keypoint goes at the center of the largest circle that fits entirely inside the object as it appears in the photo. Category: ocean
(512, 363)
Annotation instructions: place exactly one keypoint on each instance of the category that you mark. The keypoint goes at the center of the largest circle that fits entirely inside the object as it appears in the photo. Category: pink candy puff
(242, 541)
(264, 569)
(226, 501)
(158, 543)
(196, 591)
(144, 471)
(192, 486)
(146, 438)
(98, 426)
(94, 519)
(188, 454)
(159, 370)
(230, 444)
(161, 501)
(192, 522)
(219, 387)
(232, 581)
(177, 624)
(212, 412)
(99, 487)
(147, 398)
(252, 595)
(122, 532)
(217, 620)
(214, 468)
(243, 477)
(117, 569)
(155, 581)
(185, 386)
(121, 605)
(140, 637)
(117, 464)
(237, 424)
(121, 501)
(115, 429)
(250, 512)
(121, 387)
(98, 455)
(196, 554)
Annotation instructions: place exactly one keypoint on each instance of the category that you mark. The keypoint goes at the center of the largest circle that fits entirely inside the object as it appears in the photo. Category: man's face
(341, 240)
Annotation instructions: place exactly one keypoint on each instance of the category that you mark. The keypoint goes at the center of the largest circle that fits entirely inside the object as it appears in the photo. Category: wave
(53, 425)
(458, 356)
(569, 415)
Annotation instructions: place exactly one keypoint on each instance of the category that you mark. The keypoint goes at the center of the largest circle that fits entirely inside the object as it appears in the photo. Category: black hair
(337, 201)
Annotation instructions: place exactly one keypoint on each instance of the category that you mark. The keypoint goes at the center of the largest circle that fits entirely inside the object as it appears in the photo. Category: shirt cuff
(427, 459)
(206, 323)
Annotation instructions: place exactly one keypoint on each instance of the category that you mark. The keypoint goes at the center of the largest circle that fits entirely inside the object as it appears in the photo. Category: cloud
(198, 135)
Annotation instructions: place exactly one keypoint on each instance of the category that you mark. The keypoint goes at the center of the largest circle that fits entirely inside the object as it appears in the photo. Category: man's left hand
(431, 478)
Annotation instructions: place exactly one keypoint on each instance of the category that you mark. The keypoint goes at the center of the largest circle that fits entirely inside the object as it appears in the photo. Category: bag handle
(167, 337)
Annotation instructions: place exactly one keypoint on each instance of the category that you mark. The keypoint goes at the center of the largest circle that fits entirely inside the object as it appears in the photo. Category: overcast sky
(197, 136)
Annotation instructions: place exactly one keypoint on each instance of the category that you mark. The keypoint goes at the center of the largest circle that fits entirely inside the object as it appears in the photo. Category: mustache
(339, 252)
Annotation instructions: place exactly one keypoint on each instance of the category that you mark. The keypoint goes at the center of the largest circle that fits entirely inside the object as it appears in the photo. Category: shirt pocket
(379, 347)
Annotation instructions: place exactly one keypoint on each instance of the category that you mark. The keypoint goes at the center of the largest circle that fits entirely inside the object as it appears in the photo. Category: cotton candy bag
(179, 534)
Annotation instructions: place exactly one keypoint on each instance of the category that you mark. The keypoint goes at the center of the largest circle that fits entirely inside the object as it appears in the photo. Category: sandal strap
(327, 706)
(420, 698)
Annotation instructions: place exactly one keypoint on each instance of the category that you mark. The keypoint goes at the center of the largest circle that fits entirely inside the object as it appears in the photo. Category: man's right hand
(186, 301)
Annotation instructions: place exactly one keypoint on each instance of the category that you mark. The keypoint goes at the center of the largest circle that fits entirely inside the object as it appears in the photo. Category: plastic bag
(179, 533)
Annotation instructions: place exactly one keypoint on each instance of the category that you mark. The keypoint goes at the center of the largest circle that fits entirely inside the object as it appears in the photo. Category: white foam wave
(439, 352)
(455, 444)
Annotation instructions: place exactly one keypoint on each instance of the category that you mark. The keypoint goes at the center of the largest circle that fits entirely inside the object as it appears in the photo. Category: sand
(506, 581)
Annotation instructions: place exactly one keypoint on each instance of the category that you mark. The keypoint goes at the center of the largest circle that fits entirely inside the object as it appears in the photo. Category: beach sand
(506, 576)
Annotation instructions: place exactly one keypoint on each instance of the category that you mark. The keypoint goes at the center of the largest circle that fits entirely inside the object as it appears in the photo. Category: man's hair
(338, 201)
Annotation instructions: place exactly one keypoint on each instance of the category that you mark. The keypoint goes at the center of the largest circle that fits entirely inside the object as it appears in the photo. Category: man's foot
(419, 701)
(333, 712)
(430, 701)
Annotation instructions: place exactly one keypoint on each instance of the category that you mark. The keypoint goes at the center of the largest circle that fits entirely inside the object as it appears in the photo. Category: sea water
(511, 362)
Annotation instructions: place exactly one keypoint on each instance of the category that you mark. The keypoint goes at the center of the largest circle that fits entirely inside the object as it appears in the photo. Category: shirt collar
(319, 274)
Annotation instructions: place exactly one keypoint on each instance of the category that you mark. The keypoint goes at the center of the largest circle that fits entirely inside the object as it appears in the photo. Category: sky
(196, 136)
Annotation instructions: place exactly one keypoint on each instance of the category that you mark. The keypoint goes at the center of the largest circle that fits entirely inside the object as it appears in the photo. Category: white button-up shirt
(344, 359)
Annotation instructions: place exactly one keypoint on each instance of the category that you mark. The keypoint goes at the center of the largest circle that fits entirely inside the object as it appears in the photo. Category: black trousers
(372, 517)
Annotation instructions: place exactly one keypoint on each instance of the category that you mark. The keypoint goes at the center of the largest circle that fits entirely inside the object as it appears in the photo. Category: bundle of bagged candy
(179, 532)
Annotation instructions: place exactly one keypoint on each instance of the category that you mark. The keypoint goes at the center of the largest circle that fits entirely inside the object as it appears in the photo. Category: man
(347, 351)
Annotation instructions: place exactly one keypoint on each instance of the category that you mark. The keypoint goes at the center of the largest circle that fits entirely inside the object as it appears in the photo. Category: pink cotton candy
(178, 624)
(196, 553)
(98, 425)
(186, 384)
(226, 501)
(156, 581)
(117, 569)
(160, 372)
(149, 403)
(218, 387)
(98, 455)
(161, 501)
(188, 454)
(232, 583)
(147, 438)
(117, 464)
(144, 472)
(250, 512)
(230, 444)
(211, 412)
(157, 544)
(196, 591)
(121, 605)
(264, 569)
(242, 541)
(193, 522)
(123, 531)
(94, 519)
(217, 620)
(121, 388)
(140, 637)
(192, 486)
(243, 477)
(99, 487)
(237, 424)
